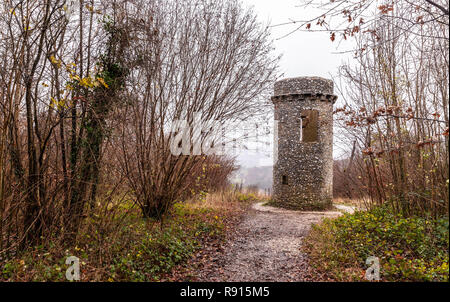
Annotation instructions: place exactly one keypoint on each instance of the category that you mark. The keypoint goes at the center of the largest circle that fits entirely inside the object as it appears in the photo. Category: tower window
(309, 126)
(284, 180)
(301, 128)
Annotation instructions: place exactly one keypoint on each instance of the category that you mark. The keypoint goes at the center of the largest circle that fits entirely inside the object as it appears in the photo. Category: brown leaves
(393, 110)
(321, 21)
(409, 116)
(332, 36)
(379, 153)
(427, 142)
(386, 8)
(337, 110)
(419, 20)
(374, 33)
(350, 124)
(371, 120)
(368, 151)
(436, 115)
(363, 116)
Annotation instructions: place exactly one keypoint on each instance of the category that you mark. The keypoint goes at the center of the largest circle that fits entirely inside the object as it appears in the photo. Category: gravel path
(266, 247)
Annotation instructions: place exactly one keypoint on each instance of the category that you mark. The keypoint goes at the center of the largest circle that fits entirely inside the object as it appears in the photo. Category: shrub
(137, 250)
(409, 249)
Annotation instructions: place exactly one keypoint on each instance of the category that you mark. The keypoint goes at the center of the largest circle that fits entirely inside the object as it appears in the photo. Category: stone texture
(303, 85)
(308, 166)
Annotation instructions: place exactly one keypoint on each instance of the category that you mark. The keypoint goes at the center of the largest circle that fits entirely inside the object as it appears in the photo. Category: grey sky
(303, 53)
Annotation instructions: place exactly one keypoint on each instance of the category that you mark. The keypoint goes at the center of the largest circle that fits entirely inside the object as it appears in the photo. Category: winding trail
(266, 247)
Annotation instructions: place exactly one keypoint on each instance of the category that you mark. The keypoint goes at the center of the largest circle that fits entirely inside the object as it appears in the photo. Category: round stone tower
(303, 155)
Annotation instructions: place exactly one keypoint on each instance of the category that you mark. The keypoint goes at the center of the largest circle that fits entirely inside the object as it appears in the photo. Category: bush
(409, 249)
(140, 250)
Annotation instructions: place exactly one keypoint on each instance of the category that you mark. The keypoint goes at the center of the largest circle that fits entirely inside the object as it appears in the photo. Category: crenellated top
(304, 88)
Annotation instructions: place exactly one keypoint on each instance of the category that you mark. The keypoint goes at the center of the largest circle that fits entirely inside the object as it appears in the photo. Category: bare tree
(199, 57)
(51, 73)
(82, 80)
(396, 109)
(30, 31)
(350, 18)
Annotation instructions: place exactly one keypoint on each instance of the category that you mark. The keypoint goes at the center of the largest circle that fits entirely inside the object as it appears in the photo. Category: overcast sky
(303, 53)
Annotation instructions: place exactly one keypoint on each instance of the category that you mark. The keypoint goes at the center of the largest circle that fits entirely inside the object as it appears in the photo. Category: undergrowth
(408, 248)
(130, 248)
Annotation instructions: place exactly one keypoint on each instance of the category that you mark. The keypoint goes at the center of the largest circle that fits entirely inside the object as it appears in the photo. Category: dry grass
(227, 200)
(358, 203)
(117, 244)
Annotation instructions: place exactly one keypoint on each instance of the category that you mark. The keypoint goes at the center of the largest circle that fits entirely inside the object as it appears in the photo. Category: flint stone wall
(307, 166)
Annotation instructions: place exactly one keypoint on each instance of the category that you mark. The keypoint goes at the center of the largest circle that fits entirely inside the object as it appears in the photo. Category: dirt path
(266, 247)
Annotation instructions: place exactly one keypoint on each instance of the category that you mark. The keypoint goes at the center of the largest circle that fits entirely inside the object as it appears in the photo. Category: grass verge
(128, 247)
(409, 249)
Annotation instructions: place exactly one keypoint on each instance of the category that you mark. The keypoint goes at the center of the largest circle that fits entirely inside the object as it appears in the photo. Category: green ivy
(409, 248)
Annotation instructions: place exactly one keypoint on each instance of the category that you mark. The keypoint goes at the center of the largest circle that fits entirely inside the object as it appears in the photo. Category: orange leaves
(436, 115)
(363, 116)
(409, 116)
(339, 110)
(373, 33)
(420, 20)
(371, 120)
(368, 151)
(427, 142)
(390, 143)
(355, 29)
(393, 109)
(379, 153)
(350, 123)
(386, 8)
(332, 36)
(350, 32)
(308, 26)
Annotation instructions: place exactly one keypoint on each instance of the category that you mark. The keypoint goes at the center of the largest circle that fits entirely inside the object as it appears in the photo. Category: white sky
(303, 53)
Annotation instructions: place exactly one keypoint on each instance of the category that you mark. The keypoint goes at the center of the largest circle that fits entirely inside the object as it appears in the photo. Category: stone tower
(303, 155)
